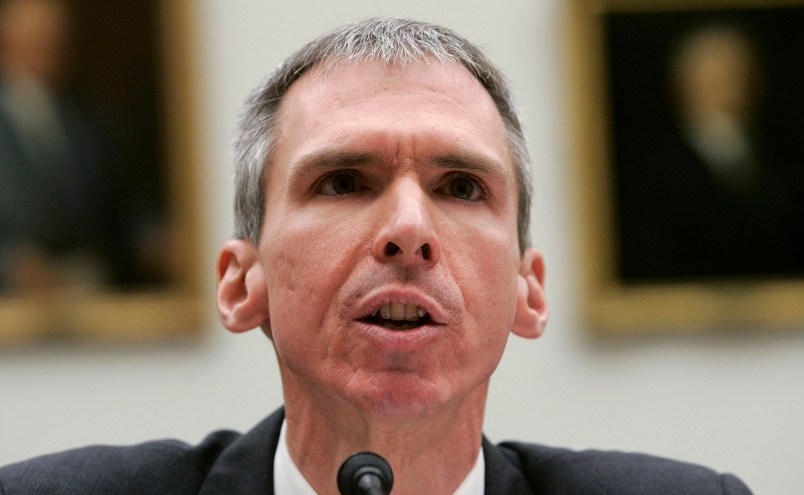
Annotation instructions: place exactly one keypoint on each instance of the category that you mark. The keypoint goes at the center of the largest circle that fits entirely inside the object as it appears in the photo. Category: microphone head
(357, 466)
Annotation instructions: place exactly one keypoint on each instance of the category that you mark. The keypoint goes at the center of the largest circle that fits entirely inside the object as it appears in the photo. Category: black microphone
(365, 473)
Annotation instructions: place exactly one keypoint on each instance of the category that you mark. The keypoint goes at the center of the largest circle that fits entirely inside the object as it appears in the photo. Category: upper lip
(376, 298)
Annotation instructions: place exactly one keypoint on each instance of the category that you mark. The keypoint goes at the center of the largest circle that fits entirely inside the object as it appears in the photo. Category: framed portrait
(99, 234)
(688, 129)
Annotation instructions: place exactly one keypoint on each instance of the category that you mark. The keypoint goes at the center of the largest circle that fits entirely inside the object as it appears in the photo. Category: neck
(430, 454)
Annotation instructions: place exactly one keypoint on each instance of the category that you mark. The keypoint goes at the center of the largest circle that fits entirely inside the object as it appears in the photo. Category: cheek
(307, 261)
(486, 271)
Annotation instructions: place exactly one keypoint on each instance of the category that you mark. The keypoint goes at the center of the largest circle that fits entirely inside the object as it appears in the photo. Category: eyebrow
(471, 162)
(333, 159)
(330, 159)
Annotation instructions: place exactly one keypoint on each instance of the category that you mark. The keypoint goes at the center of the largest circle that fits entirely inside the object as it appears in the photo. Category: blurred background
(83, 188)
(730, 398)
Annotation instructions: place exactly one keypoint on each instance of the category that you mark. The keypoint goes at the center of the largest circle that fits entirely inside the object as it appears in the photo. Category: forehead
(422, 76)
(368, 103)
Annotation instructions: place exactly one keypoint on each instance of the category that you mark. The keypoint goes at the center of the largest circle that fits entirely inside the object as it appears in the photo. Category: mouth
(398, 316)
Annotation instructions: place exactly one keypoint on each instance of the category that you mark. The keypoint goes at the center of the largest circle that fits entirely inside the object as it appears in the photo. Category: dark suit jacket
(233, 464)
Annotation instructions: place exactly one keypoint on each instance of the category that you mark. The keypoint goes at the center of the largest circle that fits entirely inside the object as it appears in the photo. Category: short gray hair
(390, 41)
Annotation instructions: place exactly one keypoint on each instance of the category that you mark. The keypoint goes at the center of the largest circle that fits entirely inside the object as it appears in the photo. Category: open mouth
(397, 316)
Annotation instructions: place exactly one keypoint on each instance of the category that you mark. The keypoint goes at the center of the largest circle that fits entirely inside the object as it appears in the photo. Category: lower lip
(400, 340)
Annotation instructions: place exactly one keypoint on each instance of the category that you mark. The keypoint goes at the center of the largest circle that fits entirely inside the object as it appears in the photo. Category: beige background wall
(732, 400)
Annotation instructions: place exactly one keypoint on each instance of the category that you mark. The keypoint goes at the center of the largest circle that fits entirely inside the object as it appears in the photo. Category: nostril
(426, 251)
(391, 249)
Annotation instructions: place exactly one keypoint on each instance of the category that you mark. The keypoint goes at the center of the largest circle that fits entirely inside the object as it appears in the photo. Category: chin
(401, 398)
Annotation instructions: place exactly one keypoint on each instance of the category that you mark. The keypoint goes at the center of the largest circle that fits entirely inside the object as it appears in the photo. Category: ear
(531, 303)
(242, 293)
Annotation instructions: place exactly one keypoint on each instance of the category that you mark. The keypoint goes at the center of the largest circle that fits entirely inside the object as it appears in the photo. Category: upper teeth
(399, 312)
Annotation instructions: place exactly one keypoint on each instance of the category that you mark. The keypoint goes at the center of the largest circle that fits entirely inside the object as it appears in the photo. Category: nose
(406, 234)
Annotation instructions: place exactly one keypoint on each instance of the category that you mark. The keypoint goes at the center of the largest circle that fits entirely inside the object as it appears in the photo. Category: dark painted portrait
(82, 165)
(707, 116)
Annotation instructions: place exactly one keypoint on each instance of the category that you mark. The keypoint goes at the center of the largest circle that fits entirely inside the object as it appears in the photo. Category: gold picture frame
(171, 309)
(624, 296)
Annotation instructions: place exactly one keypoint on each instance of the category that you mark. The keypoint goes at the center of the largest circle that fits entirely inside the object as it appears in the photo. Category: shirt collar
(476, 479)
(288, 480)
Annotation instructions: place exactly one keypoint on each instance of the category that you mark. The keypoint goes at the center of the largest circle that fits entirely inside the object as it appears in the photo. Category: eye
(463, 187)
(339, 183)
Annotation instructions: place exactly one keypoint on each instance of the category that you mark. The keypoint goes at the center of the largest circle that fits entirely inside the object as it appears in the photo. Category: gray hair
(390, 41)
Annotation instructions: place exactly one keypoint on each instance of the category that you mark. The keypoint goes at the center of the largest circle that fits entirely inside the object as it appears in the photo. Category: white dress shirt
(288, 480)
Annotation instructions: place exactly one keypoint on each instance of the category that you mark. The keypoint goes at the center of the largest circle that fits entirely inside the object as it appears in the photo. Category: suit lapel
(504, 474)
(246, 467)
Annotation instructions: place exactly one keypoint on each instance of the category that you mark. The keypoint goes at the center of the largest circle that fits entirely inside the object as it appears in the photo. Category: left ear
(531, 303)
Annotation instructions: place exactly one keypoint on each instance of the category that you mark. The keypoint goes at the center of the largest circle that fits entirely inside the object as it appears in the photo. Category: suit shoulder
(163, 466)
(590, 472)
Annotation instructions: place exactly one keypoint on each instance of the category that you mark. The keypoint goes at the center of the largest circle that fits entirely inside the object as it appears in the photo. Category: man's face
(35, 39)
(389, 245)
